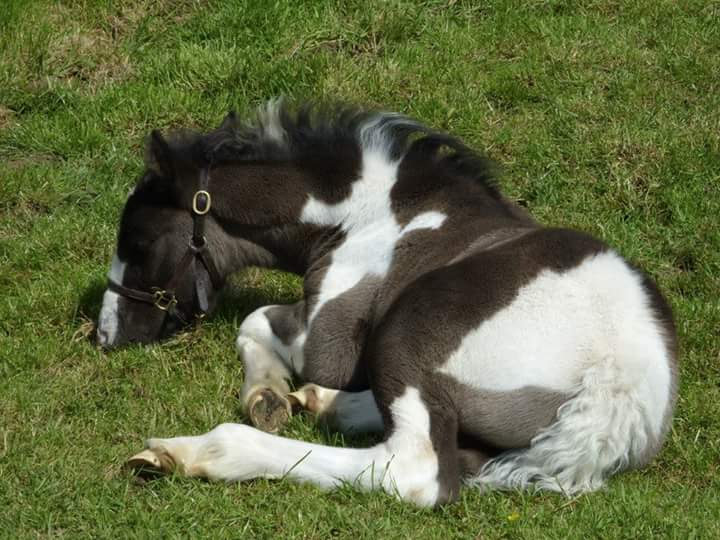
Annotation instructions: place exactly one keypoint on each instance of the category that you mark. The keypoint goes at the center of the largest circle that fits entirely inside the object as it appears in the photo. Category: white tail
(604, 428)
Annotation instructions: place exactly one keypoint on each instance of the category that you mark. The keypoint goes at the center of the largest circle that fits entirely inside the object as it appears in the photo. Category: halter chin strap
(165, 299)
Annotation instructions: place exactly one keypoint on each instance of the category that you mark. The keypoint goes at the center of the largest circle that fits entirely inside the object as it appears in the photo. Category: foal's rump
(555, 349)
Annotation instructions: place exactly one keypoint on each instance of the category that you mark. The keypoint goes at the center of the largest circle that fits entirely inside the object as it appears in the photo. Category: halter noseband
(165, 299)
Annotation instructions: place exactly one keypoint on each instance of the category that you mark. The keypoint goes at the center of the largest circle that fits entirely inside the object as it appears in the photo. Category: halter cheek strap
(165, 299)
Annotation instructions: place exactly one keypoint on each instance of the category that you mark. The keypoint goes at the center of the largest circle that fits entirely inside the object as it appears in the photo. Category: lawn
(604, 115)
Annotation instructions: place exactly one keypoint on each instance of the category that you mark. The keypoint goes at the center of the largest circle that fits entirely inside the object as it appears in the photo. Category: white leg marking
(262, 369)
(262, 354)
(404, 465)
(416, 464)
(109, 321)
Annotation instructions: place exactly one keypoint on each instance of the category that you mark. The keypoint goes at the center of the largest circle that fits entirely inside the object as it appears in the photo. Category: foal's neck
(259, 212)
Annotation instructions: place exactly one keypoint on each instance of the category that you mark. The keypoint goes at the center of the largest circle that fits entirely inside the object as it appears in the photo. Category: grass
(605, 116)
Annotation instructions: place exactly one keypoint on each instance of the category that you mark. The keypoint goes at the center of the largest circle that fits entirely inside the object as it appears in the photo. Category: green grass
(605, 116)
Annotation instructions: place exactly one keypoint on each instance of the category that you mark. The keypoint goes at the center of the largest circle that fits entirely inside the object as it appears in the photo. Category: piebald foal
(488, 349)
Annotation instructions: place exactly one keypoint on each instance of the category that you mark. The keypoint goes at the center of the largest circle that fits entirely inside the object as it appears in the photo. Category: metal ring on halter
(164, 300)
(205, 210)
(197, 248)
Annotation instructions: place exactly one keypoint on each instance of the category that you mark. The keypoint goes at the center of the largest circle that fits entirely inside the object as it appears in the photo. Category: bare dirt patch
(29, 160)
(128, 17)
(90, 58)
(7, 117)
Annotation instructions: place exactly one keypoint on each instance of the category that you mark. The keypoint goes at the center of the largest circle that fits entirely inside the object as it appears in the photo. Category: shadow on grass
(87, 312)
(90, 302)
(237, 302)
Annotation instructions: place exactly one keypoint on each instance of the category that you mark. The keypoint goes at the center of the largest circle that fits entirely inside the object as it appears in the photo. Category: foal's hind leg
(349, 412)
(268, 360)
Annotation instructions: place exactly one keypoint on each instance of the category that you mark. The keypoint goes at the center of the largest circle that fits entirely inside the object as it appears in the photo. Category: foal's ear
(230, 122)
(159, 155)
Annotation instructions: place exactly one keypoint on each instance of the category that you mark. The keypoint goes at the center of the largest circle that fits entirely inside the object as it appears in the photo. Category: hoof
(149, 463)
(314, 399)
(268, 411)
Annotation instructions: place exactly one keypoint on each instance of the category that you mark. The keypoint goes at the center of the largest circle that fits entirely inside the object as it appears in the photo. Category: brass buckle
(163, 299)
(195, 203)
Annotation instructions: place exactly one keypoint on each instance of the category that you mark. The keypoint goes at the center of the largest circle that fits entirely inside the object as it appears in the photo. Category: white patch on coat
(366, 217)
(426, 220)
(589, 331)
(375, 135)
(109, 320)
(414, 469)
(561, 324)
(405, 465)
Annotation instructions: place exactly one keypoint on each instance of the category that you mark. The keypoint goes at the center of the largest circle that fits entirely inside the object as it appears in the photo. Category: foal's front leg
(270, 344)
(405, 464)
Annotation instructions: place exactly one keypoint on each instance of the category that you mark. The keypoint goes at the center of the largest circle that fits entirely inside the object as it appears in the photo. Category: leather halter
(165, 299)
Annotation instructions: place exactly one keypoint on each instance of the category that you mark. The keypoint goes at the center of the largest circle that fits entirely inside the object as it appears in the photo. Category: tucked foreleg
(268, 361)
(405, 464)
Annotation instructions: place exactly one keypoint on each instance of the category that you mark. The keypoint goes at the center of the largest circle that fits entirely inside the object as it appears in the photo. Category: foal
(488, 349)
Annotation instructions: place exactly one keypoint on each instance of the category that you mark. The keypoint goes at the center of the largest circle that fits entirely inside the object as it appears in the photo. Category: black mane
(285, 132)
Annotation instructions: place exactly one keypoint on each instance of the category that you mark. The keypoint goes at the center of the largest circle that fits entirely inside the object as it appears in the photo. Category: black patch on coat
(287, 322)
(337, 337)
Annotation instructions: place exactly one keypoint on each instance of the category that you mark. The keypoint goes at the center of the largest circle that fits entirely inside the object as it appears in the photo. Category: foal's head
(163, 274)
